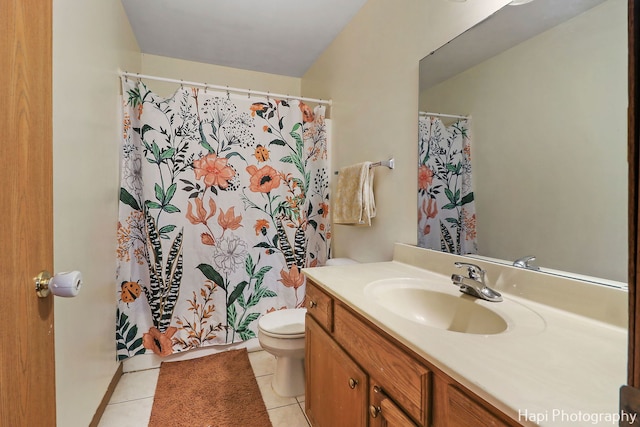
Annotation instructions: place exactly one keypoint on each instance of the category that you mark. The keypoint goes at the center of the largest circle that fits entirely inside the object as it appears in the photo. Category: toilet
(281, 333)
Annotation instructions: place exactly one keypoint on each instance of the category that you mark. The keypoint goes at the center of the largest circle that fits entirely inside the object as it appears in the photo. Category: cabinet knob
(374, 411)
(312, 304)
(353, 383)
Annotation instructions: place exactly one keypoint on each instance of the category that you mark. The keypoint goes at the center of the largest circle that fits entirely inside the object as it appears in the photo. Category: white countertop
(556, 368)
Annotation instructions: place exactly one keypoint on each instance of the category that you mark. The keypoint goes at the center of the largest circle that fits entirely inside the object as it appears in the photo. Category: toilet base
(288, 379)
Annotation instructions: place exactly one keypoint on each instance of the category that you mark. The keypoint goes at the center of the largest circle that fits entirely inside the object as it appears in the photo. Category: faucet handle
(475, 272)
(525, 262)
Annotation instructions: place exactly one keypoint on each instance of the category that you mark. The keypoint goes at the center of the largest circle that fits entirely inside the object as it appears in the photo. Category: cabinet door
(383, 412)
(336, 388)
(465, 412)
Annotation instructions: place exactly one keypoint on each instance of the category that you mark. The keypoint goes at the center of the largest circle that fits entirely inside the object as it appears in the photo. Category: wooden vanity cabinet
(358, 375)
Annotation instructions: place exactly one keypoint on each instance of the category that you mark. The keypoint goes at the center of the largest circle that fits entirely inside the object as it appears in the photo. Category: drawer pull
(374, 411)
(353, 383)
(313, 304)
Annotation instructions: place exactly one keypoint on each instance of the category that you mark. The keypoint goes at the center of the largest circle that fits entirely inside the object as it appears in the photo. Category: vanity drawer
(401, 377)
(319, 306)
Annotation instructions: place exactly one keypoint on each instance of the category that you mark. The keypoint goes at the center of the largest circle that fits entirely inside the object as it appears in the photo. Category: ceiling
(282, 37)
(508, 27)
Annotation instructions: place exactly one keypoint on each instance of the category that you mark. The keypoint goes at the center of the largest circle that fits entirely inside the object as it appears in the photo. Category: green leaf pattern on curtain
(446, 209)
(222, 203)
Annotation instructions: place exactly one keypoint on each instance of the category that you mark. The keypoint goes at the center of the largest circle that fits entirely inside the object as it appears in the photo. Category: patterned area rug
(212, 391)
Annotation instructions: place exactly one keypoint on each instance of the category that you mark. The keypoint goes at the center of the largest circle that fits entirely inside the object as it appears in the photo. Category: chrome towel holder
(391, 164)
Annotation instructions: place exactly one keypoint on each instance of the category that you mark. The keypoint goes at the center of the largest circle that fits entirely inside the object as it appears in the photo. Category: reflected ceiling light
(519, 2)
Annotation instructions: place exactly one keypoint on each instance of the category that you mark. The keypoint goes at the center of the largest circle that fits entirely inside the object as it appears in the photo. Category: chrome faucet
(474, 285)
(525, 262)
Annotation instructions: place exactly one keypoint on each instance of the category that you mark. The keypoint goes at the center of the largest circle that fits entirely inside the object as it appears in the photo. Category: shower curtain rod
(225, 88)
(453, 116)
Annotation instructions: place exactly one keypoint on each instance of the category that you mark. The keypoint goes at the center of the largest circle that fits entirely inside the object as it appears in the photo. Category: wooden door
(27, 386)
(336, 388)
(633, 129)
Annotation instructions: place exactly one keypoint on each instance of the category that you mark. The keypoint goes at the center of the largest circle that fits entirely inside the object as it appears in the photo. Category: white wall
(215, 75)
(550, 151)
(91, 40)
(370, 72)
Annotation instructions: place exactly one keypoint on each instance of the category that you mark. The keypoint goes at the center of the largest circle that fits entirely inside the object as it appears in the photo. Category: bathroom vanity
(378, 354)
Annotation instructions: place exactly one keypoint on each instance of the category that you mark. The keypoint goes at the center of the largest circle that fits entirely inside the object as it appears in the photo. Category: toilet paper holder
(62, 284)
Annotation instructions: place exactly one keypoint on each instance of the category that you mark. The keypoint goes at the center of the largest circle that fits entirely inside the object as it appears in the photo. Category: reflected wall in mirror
(548, 130)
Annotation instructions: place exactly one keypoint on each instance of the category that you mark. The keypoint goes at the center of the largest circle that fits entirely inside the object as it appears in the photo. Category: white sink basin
(437, 306)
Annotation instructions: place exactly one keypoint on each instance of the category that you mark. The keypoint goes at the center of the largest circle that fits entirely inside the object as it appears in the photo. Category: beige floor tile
(262, 363)
(303, 412)
(134, 413)
(288, 416)
(271, 399)
(135, 385)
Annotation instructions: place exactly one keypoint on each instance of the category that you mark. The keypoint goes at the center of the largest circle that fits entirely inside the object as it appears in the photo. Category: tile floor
(130, 405)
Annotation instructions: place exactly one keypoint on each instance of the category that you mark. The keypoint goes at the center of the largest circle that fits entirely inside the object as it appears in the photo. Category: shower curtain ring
(205, 87)
(228, 96)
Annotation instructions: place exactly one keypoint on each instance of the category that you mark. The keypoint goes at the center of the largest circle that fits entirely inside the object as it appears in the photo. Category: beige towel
(354, 203)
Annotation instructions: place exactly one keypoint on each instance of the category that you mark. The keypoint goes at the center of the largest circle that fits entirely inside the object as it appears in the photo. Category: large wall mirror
(545, 87)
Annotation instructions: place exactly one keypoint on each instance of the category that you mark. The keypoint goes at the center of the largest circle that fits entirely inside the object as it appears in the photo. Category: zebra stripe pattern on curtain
(222, 203)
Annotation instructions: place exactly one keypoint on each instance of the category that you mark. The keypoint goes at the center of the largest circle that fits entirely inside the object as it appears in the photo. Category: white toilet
(281, 333)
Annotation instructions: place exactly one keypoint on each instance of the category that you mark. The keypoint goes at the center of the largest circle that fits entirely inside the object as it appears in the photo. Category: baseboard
(107, 396)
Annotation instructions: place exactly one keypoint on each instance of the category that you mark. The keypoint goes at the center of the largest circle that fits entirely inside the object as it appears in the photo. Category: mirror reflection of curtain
(446, 209)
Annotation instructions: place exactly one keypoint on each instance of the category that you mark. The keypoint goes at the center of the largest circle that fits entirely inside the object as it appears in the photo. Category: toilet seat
(287, 324)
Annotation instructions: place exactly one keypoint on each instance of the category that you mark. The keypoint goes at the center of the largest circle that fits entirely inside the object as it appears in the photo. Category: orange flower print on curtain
(222, 203)
(263, 180)
(214, 170)
(446, 210)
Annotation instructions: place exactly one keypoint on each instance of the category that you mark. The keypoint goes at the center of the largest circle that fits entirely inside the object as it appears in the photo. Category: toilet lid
(283, 322)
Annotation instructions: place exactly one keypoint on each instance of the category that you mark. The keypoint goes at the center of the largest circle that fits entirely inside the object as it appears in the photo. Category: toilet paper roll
(66, 284)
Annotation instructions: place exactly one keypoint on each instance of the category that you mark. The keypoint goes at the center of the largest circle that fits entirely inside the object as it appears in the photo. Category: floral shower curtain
(446, 211)
(222, 203)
